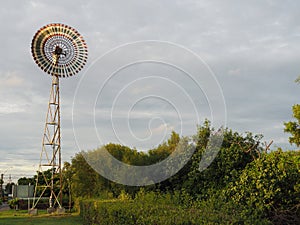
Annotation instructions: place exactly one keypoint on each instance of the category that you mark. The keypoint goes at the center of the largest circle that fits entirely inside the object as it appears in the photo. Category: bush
(219, 210)
(271, 185)
(154, 208)
(132, 213)
(13, 203)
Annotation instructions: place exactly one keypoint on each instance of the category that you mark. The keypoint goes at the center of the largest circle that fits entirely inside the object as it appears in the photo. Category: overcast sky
(252, 48)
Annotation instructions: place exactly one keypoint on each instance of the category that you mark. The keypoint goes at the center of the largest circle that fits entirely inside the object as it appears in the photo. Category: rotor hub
(58, 51)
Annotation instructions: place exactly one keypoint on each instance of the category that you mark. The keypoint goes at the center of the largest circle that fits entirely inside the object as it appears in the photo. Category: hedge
(132, 212)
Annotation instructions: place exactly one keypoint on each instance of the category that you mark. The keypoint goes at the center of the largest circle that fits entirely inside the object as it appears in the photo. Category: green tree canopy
(26, 181)
(293, 127)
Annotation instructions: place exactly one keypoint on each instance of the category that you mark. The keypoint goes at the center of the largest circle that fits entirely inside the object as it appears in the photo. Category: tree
(8, 188)
(84, 178)
(236, 152)
(1, 190)
(26, 181)
(67, 174)
(293, 127)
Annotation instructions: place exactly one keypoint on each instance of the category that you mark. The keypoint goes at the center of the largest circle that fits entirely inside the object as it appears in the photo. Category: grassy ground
(12, 217)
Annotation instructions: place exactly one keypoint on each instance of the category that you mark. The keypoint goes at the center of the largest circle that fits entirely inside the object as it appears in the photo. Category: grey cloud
(252, 47)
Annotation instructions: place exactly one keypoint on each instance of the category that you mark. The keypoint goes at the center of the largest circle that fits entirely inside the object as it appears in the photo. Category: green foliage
(134, 212)
(271, 185)
(85, 182)
(217, 208)
(8, 188)
(243, 184)
(13, 203)
(84, 178)
(235, 153)
(163, 209)
(42, 179)
(124, 196)
(294, 127)
(26, 181)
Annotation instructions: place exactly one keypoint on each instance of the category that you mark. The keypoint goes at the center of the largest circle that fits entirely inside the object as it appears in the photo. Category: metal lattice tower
(60, 51)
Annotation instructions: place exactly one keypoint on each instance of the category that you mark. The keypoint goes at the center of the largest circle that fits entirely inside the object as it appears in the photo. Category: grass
(13, 217)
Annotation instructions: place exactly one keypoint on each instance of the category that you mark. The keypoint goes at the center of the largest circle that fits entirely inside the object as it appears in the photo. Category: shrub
(153, 208)
(13, 203)
(271, 185)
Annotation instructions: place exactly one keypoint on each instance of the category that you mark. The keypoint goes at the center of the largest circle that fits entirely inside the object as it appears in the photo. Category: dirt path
(4, 207)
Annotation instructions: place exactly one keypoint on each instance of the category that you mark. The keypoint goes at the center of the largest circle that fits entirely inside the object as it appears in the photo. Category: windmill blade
(73, 55)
